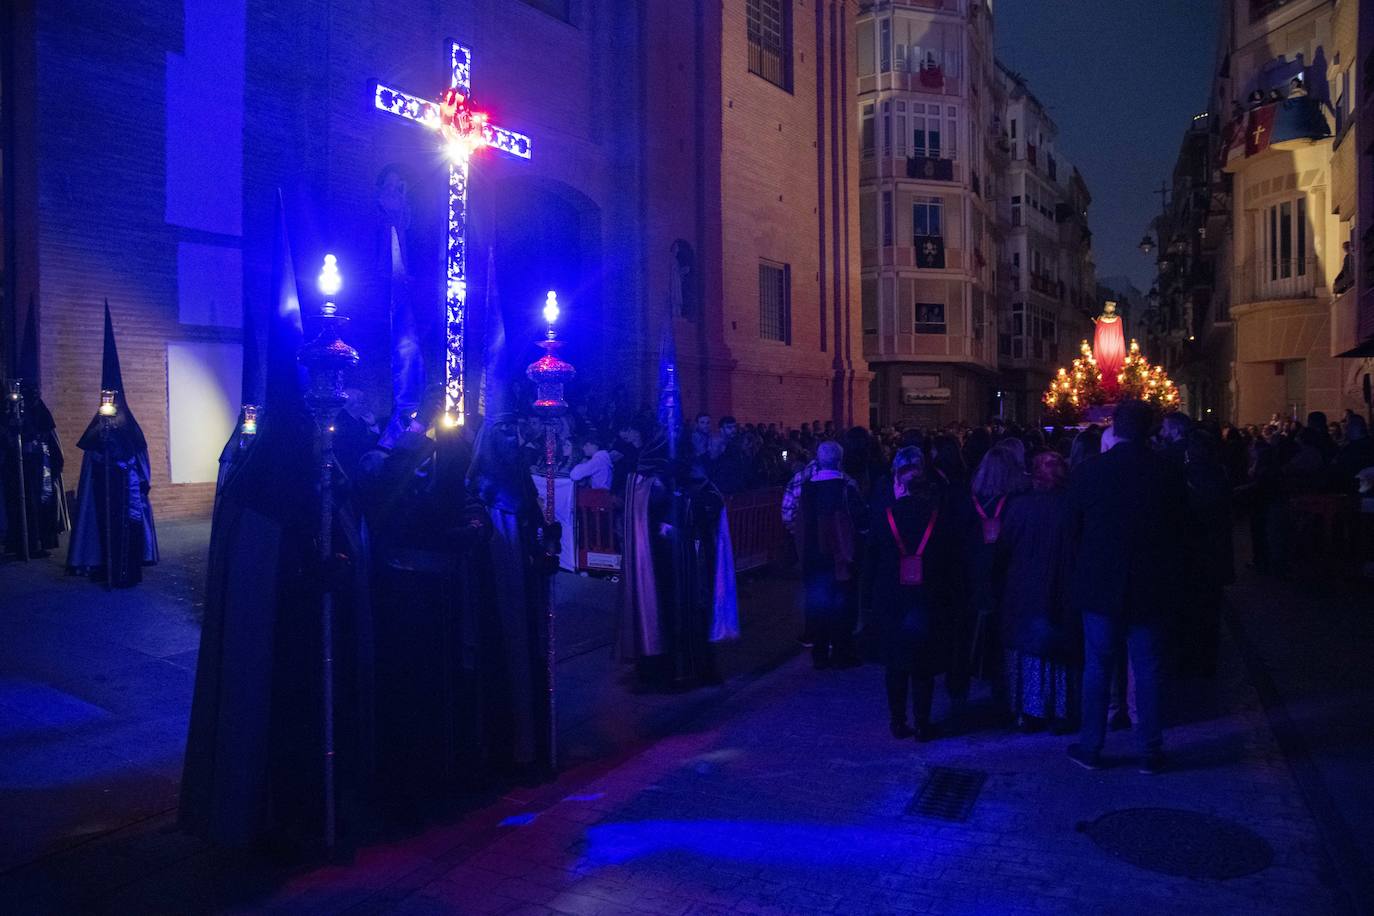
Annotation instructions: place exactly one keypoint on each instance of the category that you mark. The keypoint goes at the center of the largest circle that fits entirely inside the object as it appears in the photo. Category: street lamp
(1147, 244)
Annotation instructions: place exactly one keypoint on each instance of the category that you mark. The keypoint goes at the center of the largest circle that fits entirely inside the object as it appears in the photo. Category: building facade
(1263, 312)
(977, 257)
(693, 162)
(927, 208)
(1047, 254)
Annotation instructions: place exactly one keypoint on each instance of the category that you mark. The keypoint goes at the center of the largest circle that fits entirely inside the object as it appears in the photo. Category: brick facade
(159, 137)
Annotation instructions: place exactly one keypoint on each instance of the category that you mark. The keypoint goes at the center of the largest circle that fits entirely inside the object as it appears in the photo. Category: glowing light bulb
(551, 307)
(330, 282)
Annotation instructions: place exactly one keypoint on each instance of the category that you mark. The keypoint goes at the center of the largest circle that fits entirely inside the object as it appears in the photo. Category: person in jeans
(1128, 512)
(832, 524)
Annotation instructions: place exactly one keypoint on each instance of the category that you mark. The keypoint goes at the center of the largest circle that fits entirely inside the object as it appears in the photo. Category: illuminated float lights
(1075, 389)
(464, 131)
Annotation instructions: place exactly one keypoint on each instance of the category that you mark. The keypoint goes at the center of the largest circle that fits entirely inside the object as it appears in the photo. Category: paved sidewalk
(787, 798)
(779, 793)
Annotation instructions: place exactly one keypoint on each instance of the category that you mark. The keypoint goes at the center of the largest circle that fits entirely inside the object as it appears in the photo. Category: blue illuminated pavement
(784, 793)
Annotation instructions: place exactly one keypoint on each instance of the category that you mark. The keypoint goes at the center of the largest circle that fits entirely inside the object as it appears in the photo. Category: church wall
(647, 128)
(789, 167)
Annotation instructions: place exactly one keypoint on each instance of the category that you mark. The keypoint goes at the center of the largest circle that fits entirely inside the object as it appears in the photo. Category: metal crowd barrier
(756, 530)
(757, 534)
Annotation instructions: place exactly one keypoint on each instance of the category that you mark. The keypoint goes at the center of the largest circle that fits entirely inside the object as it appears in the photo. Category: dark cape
(33, 445)
(425, 533)
(114, 519)
(667, 600)
(254, 772)
(112, 508)
(512, 597)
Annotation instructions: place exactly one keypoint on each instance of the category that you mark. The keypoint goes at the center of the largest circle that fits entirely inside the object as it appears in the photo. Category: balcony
(1269, 281)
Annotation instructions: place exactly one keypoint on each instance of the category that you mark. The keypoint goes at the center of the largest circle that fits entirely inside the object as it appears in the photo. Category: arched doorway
(541, 235)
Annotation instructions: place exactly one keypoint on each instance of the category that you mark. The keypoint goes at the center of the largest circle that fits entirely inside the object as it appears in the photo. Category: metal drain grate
(948, 794)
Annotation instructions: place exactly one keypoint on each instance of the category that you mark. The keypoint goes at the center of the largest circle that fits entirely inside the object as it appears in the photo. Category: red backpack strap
(897, 535)
(930, 526)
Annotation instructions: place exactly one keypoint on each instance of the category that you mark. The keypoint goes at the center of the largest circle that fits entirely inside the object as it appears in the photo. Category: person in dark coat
(1210, 554)
(1128, 512)
(916, 618)
(1000, 476)
(1041, 639)
(831, 520)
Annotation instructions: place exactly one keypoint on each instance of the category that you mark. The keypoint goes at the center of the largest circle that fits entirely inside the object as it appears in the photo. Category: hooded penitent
(255, 751)
(677, 592)
(113, 535)
(245, 429)
(514, 582)
(34, 499)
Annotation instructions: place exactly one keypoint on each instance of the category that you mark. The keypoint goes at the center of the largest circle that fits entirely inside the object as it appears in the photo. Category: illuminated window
(929, 318)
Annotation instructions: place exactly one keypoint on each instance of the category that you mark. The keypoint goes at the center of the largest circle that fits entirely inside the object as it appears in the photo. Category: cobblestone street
(784, 793)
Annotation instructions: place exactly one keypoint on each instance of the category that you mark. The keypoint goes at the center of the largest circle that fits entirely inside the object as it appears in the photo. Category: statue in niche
(682, 280)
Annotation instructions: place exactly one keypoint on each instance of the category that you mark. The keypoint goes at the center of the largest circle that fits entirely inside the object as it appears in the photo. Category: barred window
(775, 301)
(768, 27)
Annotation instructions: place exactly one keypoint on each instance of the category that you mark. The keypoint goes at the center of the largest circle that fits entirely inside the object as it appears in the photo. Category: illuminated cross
(1259, 132)
(464, 130)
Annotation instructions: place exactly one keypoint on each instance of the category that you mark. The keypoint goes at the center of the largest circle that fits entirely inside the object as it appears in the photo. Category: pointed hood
(126, 435)
(28, 353)
(286, 380)
(250, 389)
(407, 361)
(669, 394)
(37, 417)
(274, 473)
(111, 379)
(496, 397)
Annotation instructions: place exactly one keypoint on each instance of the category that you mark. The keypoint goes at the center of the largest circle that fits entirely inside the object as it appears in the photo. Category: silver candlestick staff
(549, 374)
(326, 358)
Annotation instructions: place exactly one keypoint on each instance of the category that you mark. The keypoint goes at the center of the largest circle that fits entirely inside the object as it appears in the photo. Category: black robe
(44, 499)
(255, 757)
(114, 517)
(665, 603)
(511, 580)
(425, 530)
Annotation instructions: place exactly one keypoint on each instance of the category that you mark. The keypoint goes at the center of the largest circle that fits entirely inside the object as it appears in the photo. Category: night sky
(1122, 81)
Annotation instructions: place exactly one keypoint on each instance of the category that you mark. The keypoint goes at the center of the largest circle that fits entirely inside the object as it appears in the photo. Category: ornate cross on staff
(464, 130)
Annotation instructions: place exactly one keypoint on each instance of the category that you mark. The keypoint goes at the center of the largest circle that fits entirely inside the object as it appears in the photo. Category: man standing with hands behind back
(1128, 510)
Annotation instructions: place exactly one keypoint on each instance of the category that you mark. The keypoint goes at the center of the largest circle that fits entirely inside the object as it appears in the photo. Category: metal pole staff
(549, 373)
(326, 357)
(17, 418)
